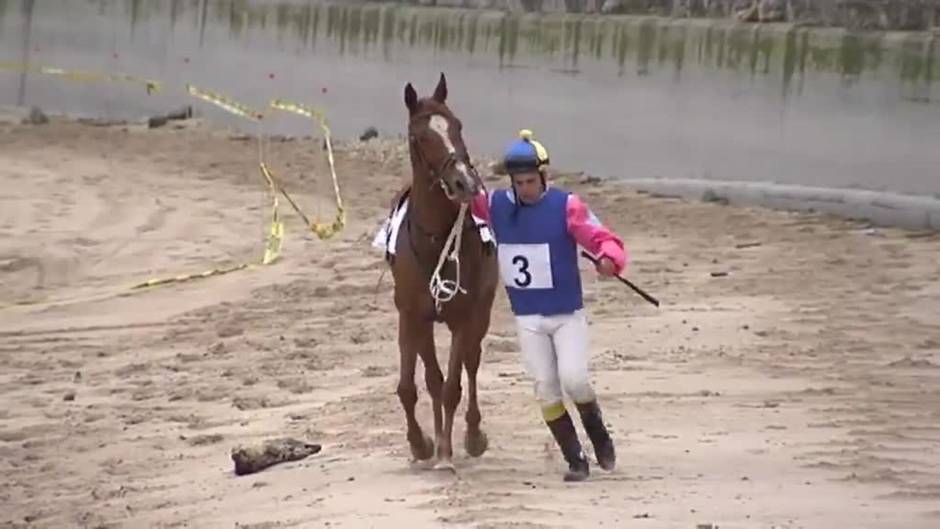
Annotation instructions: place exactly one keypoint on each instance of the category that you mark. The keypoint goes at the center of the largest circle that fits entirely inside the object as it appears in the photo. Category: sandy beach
(790, 379)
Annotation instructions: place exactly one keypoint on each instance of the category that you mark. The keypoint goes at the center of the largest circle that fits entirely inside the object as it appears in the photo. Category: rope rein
(444, 290)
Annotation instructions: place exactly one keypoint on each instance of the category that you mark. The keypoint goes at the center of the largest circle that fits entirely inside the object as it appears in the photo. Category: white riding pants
(555, 353)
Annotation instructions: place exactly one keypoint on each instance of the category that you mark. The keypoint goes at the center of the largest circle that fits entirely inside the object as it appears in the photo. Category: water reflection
(616, 96)
(567, 41)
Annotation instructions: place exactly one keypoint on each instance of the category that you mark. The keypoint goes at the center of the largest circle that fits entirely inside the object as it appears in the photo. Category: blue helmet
(525, 154)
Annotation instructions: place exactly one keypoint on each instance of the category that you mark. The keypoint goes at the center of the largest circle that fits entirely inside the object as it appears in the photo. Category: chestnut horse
(443, 178)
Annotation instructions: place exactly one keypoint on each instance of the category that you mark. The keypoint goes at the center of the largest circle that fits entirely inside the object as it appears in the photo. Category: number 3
(523, 264)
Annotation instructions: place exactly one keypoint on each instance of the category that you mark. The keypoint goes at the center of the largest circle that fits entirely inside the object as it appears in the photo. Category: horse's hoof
(422, 464)
(477, 444)
(445, 465)
(425, 451)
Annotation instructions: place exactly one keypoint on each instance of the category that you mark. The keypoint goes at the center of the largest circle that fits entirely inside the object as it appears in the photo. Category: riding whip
(635, 288)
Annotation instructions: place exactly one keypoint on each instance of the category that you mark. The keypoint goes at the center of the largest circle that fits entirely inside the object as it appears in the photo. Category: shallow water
(616, 96)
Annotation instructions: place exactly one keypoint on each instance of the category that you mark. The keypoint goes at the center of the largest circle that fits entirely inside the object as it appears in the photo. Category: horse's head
(437, 143)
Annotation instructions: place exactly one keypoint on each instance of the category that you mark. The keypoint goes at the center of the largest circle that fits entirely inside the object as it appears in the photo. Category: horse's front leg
(434, 380)
(451, 399)
(412, 335)
(475, 441)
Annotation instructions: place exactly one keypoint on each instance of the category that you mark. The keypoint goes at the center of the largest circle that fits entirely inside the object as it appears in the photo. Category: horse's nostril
(460, 185)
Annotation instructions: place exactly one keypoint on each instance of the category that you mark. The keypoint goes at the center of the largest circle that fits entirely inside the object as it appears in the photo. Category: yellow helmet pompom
(520, 154)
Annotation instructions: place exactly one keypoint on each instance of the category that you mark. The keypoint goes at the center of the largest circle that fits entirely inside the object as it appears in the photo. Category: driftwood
(368, 134)
(19, 115)
(36, 117)
(251, 459)
(159, 121)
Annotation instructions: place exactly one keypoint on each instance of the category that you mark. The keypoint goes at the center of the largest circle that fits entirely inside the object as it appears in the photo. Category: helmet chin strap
(515, 191)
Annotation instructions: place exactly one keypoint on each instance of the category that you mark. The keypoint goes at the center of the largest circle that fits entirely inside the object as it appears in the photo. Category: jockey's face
(528, 186)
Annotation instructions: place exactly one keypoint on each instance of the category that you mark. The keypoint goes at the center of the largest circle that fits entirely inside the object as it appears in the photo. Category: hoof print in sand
(249, 460)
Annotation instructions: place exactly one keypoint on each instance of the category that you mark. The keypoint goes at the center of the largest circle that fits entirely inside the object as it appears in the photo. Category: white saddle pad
(387, 235)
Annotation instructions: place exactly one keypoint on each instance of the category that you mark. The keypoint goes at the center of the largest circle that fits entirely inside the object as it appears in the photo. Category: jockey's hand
(606, 268)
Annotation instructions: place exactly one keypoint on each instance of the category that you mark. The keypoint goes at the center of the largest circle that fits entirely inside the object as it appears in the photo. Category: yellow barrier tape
(302, 110)
(224, 103)
(272, 250)
(275, 237)
(79, 75)
(184, 278)
(323, 230)
(276, 233)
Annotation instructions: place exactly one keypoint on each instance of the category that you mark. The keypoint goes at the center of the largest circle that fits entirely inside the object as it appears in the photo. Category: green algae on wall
(637, 45)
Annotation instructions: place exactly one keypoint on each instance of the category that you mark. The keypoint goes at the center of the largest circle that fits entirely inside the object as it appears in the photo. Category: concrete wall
(854, 14)
(879, 208)
(619, 97)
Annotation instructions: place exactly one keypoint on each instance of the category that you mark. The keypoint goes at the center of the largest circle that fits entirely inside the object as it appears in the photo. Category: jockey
(537, 228)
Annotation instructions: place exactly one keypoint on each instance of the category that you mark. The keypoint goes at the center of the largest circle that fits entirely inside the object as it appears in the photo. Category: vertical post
(204, 13)
(28, 6)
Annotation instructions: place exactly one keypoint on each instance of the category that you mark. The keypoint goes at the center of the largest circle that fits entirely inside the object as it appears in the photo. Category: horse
(443, 179)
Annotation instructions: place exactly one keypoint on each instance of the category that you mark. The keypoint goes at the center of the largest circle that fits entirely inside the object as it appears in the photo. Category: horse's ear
(440, 93)
(411, 98)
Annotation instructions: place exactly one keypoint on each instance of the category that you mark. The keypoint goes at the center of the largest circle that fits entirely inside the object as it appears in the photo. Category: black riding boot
(567, 438)
(594, 426)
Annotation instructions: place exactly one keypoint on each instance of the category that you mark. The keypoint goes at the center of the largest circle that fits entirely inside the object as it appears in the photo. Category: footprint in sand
(156, 219)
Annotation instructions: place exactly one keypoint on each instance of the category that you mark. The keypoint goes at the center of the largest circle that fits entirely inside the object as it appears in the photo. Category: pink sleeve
(593, 236)
(480, 206)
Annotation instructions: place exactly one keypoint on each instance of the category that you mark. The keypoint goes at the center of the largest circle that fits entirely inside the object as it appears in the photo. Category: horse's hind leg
(411, 337)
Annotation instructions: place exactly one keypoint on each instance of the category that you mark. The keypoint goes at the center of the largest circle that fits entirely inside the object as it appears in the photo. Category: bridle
(443, 290)
(437, 173)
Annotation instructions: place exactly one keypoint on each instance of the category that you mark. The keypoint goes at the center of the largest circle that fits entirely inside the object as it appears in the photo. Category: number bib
(526, 266)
